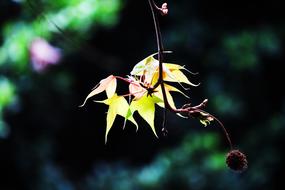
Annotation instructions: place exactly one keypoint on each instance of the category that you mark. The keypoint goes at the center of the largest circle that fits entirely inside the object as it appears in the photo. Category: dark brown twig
(194, 111)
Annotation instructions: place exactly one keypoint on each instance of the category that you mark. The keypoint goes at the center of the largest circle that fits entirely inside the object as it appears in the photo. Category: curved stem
(224, 129)
(222, 126)
(188, 110)
(160, 57)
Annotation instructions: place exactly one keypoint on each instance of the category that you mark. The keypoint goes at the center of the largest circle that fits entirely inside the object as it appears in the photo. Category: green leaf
(146, 108)
(118, 105)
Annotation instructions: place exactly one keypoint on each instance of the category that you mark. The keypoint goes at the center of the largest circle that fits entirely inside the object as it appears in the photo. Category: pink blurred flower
(43, 54)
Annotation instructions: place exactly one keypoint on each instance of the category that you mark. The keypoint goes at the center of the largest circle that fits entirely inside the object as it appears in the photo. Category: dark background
(237, 48)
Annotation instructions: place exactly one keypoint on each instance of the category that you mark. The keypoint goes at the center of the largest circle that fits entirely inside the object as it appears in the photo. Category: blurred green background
(53, 52)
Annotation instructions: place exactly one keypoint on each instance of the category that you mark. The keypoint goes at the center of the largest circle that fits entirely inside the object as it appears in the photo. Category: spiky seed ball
(236, 160)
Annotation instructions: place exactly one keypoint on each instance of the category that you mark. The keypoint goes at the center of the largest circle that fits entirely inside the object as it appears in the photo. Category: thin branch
(195, 111)
(159, 43)
(160, 57)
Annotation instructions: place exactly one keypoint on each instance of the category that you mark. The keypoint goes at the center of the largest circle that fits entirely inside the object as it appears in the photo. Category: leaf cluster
(142, 96)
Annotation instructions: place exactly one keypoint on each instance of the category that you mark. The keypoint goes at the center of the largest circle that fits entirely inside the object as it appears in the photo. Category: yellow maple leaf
(146, 108)
(118, 105)
(178, 76)
(148, 68)
(168, 89)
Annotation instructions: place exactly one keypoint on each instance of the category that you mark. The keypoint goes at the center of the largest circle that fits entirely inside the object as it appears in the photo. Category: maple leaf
(118, 105)
(109, 84)
(144, 65)
(168, 89)
(136, 90)
(177, 76)
(149, 67)
(146, 109)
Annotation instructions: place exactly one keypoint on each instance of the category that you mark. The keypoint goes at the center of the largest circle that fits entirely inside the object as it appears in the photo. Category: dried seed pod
(236, 160)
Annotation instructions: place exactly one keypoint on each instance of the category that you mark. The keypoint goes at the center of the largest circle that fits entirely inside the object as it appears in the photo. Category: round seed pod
(236, 160)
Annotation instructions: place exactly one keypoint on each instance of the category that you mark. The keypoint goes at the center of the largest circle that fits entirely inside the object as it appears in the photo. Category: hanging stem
(195, 111)
(158, 41)
(160, 60)
(160, 51)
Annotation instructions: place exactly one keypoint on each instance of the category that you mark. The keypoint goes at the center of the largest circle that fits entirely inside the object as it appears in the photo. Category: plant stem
(159, 43)
(160, 56)
(187, 109)
(160, 60)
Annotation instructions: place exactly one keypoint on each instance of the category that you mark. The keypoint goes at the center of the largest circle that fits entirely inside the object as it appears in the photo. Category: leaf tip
(155, 134)
(80, 106)
(198, 84)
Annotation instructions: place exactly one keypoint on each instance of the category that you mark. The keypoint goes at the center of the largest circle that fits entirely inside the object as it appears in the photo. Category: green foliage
(7, 92)
(73, 16)
(243, 49)
(7, 97)
(58, 17)
(183, 165)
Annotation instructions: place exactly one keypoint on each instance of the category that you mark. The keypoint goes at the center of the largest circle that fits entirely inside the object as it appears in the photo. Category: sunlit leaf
(136, 90)
(140, 67)
(109, 84)
(118, 105)
(172, 88)
(149, 67)
(178, 76)
(168, 96)
(146, 108)
(168, 89)
(172, 66)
